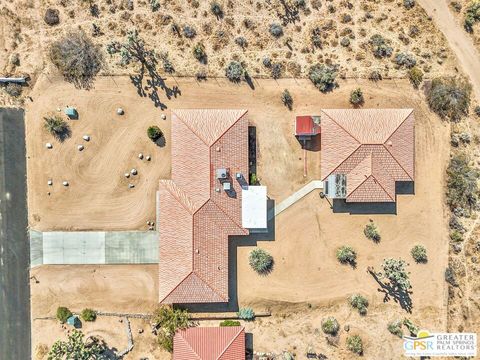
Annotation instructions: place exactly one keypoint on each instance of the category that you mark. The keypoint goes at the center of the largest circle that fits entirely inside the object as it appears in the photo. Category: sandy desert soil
(458, 8)
(350, 23)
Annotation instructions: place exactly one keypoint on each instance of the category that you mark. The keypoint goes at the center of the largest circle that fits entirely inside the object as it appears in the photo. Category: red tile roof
(195, 220)
(304, 125)
(210, 343)
(373, 147)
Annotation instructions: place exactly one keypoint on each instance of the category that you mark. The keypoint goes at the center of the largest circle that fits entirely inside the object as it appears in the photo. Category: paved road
(15, 341)
(458, 39)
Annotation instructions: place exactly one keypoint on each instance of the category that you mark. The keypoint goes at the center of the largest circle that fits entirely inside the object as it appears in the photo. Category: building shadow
(233, 244)
(405, 188)
(248, 346)
(311, 144)
(341, 206)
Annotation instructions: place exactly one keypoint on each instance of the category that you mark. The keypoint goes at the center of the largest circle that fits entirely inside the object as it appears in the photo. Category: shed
(71, 112)
(307, 126)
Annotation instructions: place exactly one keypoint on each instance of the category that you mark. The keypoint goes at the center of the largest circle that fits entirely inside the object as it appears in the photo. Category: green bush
(168, 320)
(346, 254)
(412, 328)
(405, 59)
(88, 314)
(216, 9)
(380, 47)
(462, 186)
(395, 271)
(230, 323)
(330, 326)
(323, 76)
(477, 110)
(246, 314)
(355, 344)
(371, 232)
(472, 15)
(287, 99)
(199, 53)
(359, 302)
(456, 236)
(14, 90)
(419, 253)
(356, 97)
(234, 71)
(56, 126)
(416, 76)
(395, 327)
(63, 314)
(450, 276)
(154, 133)
(449, 98)
(260, 261)
(276, 30)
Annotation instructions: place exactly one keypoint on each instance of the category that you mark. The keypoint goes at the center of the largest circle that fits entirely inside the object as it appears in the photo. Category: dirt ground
(343, 31)
(306, 235)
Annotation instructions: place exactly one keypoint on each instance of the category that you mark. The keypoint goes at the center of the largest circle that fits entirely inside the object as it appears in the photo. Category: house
(365, 152)
(202, 205)
(209, 343)
(307, 126)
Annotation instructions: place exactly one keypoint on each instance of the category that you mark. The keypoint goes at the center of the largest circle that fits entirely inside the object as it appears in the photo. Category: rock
(120, 111)
(140, 331)
(65, 183)
(127, 175)
(140, 156)
(134, 172)
(131, 186)
(346, 328)
(50, 182)
(86, 137)
(164, 117)
(148, 158)
(48, 145)
(120, 320)
(80, 147)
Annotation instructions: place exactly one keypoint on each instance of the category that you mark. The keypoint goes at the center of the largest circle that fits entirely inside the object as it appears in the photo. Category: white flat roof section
(254, 207)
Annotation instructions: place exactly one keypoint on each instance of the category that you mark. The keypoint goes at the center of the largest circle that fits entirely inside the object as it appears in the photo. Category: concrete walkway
(459, 40)
(296, 196)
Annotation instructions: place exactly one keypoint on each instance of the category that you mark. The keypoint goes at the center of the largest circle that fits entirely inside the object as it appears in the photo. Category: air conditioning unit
(222, 174)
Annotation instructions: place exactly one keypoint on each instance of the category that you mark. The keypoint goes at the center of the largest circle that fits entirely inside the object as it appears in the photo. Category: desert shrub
(416, 76)
(371, 232)
(88, 314)
(241, 41)
(330, 326)
(477, 110)
(76, 348)
(168, 320)
(419, 253)
(345, 42)
(13, 89)
(380, 47)
(355, 344)
(189, 32)
(375, 76)
(166, 63)
(276, 70)
(77, 57)
(254, 179)
(472, 15)
(356, 97)
(316, 37)
(462, 186)
(360, 303)
(346, 254)
(230, 323)
(405, 59)
(449, 98)
(246, 314)
(56, 126)
(450, 276)
(63, 314)
(52, 17)
(154, 132)
(395, 327)
(199, 53)
(216, 9)
(234, 71)
(154, 5)
(395, 270)
(288, 356)
(409, 3)
(260, 261)
(276, 30)
(323, 76)
(201, 76)
(287, 99)
(456, 236)
(266, 62)
(412, 328)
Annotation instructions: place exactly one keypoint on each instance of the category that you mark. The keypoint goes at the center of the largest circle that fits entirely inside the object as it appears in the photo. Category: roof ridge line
(380, 184)
(369, 176)
(211, 287)
(348, 132)
(176, 286)
(190, 347)
(177, 198)
(190, 128)
(231, 342)
(341, 163)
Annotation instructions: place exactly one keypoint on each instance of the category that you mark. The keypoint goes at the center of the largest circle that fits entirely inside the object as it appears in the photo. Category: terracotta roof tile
(384, 156)
(210, 343)
(195, 220)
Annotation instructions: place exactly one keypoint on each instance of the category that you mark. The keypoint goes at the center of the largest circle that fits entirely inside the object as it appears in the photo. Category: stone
(164, 117)
(50, 182)
(131, 186)
(86, 137)
(120, 111)
(127, 175)
(148, 158)
(48, 145)
(133, 172)
(80, 147)
(140, 331)
(140, 156)
(65, 183)
(346, 327)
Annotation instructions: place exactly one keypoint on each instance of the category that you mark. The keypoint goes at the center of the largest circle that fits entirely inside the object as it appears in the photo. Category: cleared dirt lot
(306, 234)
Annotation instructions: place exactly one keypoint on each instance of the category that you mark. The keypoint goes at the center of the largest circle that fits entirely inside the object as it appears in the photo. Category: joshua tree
(56, 126)
(168, 320)
(260, 261)
(395, 271)
(287, 99)
(76, 348)
(216, 9)
(199, 53)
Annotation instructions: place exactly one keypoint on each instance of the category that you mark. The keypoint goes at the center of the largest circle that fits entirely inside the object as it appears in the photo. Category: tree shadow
(161, 141)
(64, 134)
(390, 291)
(291, 13)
